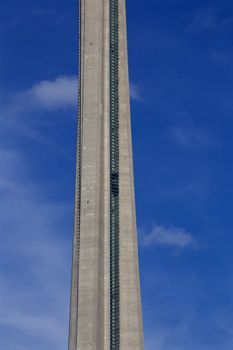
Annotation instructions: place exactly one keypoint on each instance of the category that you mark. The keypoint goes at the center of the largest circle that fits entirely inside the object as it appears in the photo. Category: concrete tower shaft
(105, 311)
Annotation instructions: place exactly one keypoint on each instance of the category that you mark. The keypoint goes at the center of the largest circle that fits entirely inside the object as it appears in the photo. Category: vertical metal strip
(114, 177)
(79, 133)
(76, 239)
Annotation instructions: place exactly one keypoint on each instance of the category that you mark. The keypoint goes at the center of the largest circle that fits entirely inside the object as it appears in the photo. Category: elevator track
(114, 177)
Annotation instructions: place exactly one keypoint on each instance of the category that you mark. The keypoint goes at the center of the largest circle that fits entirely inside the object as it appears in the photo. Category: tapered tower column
(105, 311)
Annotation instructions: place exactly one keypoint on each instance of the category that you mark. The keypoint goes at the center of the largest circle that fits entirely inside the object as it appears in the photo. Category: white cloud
(168, 236)
(52, 94)
(49, 95)
(24, 112)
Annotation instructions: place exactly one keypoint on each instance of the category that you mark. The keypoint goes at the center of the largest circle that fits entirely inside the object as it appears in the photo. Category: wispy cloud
(221, 57)
(40, 12)
(191, 138)
(34, 259)
(135, 92)
(8, 25)
(168, 236)
(207, 20)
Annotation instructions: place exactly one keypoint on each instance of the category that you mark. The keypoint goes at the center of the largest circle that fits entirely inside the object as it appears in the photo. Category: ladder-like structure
(114, 176)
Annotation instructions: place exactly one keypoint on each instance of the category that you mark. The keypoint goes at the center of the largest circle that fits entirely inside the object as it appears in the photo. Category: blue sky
(180, 55)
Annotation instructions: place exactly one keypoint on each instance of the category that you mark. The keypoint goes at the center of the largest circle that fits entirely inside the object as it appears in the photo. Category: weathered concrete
(90, 297)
